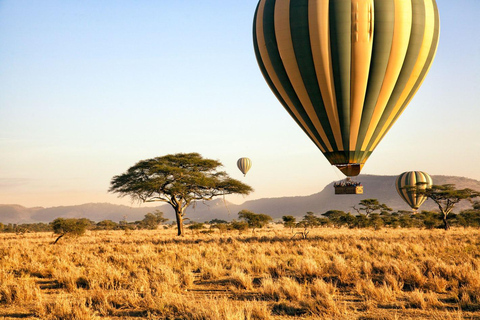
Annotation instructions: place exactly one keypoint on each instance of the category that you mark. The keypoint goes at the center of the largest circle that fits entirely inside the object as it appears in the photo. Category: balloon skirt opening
(350, 169)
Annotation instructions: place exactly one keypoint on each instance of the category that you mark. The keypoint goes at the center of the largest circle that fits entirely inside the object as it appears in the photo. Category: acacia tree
(446, 197)
(370, 206)
(310, 220)
(254, 220)
(469, 217)
(152, 220)
(71, 226)
(340, 218)
(177, 179)
(289, 222)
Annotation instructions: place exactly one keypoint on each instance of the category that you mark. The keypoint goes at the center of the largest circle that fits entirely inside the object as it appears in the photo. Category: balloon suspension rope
(337, 173)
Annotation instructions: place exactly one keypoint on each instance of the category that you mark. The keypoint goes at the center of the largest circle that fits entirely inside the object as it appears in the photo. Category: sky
(88, 88)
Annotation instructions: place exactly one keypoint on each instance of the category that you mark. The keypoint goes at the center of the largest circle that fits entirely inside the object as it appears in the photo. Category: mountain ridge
(375, 186)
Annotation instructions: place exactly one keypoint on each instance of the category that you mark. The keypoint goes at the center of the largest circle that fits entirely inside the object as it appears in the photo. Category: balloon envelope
(417, 179)
(345, 69)
(244, 164)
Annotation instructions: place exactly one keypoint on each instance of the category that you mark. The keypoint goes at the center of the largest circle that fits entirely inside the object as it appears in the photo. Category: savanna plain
(335, 273)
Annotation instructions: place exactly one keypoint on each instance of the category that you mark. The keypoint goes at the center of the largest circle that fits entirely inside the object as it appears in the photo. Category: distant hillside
(14, 213)
(377, 187)
(92, 211)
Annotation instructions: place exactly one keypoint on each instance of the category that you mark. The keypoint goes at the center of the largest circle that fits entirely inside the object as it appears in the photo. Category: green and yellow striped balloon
(345, 69)
(417, 179)
(244, 164)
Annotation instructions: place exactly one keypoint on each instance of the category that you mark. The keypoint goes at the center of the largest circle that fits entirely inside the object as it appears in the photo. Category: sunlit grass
(333, 274)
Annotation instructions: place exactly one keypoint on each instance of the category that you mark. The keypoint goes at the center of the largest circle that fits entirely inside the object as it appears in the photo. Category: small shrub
(241, 280)
(416, 299)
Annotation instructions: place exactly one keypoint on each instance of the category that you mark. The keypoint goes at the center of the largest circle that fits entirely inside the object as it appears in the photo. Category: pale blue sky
(88, 88)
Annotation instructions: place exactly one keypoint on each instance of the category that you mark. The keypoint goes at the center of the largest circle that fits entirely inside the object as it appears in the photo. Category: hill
(377, 187)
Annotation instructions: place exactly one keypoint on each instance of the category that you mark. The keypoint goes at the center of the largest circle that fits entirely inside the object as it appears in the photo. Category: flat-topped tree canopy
(177, 179)
(446, 196)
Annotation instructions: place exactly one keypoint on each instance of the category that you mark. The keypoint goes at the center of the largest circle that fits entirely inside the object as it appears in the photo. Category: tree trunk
(59, 238)
(445, 222)
(179, 215)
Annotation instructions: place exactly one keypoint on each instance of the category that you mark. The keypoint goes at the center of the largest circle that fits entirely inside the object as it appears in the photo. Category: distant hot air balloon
(345, 69)
(418, 179)
(244, 164)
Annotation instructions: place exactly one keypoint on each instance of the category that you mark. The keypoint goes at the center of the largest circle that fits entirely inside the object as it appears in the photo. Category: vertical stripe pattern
(244, 164)
(405, 183)
(345, 69)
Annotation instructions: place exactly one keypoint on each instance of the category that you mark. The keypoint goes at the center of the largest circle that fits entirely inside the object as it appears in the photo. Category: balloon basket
(348, 187)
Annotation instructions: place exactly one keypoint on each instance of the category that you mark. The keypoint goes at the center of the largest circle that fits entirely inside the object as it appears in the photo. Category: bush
(72, 227)
(239, 225)
(222, 227)
(152, 220)
(106, 225)
(254, 220)
(196, 226)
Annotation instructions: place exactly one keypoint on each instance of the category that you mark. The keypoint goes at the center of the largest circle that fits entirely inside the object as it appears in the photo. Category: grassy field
(333, 274)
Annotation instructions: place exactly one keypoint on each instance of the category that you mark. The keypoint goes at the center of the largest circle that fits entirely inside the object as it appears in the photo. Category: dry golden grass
(334, 274)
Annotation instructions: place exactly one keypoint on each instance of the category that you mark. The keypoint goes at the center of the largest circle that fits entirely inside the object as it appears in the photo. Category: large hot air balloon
(244, 164)
(416, 179)
(345, 69)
